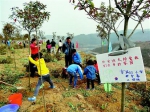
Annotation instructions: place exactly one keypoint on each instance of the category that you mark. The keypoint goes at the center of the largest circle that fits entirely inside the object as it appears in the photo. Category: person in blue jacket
(76, 58)
(72, 70)
(90, 71)
(8, 43)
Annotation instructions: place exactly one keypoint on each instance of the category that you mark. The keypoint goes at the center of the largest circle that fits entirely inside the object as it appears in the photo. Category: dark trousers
(68, 60)
(98, 78)
(88, 83)
(48, 50)
(33, 68)
(60, 48)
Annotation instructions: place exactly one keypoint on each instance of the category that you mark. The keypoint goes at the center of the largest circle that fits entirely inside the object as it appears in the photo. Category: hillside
(145, 49)
(93, 41)
(65, 98)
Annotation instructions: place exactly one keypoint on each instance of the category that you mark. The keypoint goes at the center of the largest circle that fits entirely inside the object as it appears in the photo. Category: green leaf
(75, 7)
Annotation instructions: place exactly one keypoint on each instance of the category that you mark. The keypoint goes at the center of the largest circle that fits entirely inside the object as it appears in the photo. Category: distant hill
(145, 49)
(93, 41)
(103, 49)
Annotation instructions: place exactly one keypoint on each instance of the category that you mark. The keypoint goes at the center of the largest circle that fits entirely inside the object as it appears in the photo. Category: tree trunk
(108, 39)
(126, 25)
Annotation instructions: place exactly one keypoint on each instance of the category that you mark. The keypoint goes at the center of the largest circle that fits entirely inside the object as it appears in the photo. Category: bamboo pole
(43, 93)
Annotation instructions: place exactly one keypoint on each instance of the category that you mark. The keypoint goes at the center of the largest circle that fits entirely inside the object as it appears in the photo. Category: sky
(63, 17)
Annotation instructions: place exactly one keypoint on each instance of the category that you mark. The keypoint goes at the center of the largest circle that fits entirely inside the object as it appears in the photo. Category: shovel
(11, 85)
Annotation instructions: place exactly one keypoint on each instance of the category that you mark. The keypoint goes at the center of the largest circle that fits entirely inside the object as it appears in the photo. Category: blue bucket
(9, 108)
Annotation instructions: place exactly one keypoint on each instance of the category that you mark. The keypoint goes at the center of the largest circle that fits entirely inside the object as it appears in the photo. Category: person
(8, 43)
(43, 71)
(67, 47)
(90, 71)
(59, 46)
(76, 58)
(24, 44)
(53, 43)
(34, 50)
(48, 46)
(97, 71)
(72, 70)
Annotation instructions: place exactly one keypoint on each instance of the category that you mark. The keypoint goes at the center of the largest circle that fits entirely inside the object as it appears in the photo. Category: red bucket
(15, 99)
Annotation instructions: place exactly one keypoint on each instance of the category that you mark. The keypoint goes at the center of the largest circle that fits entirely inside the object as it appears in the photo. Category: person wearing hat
(43, 71)
(67, 50)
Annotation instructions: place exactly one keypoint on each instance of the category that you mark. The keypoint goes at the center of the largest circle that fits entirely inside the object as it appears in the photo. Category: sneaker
(32, 98)
(52, 87)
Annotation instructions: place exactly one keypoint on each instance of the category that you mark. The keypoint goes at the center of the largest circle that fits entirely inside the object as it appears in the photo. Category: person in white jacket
(59, 46)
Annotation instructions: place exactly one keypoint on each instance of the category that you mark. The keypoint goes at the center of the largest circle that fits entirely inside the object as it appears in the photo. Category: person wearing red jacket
(97, 71)
(34, 50)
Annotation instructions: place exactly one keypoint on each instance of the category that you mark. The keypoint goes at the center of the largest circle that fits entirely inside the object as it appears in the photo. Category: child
(76, 58)
(48, 46)
(97, 72)
(43, 71)
(72, 70)
(90, 71)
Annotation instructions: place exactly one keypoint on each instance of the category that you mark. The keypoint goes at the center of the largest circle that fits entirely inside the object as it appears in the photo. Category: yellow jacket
(40, 66)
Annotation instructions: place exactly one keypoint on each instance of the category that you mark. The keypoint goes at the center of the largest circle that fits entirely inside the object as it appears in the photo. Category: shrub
(2, 49)
(7, 60)
(47, 57)
(56, 72)
(58, 56)
(9, 76)
(146, 98)
(43, 50)
(16, 46)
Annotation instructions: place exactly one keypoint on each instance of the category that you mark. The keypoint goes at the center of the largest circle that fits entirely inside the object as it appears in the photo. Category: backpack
(49, 46)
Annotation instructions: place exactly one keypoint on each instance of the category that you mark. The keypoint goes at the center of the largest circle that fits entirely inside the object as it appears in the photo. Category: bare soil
(64, 98)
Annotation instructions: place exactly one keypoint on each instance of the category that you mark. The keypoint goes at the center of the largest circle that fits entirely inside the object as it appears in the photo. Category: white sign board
(127, 67)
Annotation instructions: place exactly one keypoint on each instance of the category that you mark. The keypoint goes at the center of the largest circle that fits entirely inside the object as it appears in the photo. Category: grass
(68, 94)
(104, 106)
(92, 98)
(147, 72)
(2, 103)
(85, 93)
